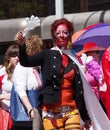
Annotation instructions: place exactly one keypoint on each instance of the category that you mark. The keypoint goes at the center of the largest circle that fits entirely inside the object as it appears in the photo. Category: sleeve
(20, 79)
(31, 61)
(80, 95)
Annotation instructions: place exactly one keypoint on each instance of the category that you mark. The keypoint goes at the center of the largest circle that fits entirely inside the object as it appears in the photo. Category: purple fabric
(99, 34)
(93, 67)
(92, 74)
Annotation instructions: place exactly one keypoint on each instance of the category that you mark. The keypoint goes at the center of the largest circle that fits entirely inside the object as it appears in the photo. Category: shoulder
(20, 69)
(2, 71)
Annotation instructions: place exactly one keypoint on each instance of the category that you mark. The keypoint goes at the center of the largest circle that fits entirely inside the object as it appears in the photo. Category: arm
(20, 83)
(5, 96)
(26, 60)
(80, 97)
(28, 106)
(30, 61)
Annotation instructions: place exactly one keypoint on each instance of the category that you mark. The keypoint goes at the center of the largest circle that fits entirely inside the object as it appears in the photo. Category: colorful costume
(63, 97)
(51, 62)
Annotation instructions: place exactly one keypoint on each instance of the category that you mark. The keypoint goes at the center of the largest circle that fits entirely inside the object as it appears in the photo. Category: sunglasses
(97, 52)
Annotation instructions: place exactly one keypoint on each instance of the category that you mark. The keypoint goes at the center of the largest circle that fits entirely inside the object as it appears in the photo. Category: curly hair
(13, 50)
(34, 44)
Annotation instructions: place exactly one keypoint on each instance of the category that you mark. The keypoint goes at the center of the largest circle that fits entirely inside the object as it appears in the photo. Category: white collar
(58, 49)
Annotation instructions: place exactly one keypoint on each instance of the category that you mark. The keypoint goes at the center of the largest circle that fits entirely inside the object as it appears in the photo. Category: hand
(19, 39)
(5, 96)
(88, 124)
(32, 22)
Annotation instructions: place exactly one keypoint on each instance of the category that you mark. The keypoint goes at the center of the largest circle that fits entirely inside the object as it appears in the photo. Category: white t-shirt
(5, 89)
(24, 79)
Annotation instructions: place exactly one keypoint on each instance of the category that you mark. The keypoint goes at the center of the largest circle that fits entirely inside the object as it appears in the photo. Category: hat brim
(96, 48)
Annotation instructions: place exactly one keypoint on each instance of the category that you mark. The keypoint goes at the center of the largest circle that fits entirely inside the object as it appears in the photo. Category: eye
(97, 52)
(14, 55)
(66, 32)
(57, 33)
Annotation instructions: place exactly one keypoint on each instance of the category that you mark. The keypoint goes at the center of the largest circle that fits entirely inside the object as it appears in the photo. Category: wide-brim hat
(90, 46)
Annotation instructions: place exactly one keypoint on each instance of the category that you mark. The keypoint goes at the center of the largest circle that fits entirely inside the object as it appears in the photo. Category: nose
(61, 34)
(17, 58)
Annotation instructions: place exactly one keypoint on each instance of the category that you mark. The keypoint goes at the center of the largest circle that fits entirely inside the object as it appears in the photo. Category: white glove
(32, 22)
(89, 58)
(84, 58)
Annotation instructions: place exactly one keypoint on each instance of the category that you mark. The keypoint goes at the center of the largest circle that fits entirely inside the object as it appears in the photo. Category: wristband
(29, 113)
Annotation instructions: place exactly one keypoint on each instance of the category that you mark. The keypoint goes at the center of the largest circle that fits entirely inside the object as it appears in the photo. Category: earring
(68, 45)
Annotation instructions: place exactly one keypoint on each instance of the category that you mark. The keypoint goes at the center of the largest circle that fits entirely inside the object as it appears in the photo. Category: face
(62, 36)
(95, 54)
(14, 60)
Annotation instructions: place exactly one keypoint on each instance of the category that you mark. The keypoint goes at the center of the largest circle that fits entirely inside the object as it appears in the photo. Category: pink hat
(90, 46)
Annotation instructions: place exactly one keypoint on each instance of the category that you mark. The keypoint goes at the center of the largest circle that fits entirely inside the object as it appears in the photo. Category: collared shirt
(58, 49)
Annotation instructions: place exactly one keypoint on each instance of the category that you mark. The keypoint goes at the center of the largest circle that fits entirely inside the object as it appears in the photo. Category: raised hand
(19, 39)
(32, 22)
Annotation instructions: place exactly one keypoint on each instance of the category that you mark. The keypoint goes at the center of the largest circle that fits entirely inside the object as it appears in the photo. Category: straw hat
(90, 46)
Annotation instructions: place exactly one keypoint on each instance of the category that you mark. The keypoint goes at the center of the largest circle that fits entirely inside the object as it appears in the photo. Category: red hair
(58, 22)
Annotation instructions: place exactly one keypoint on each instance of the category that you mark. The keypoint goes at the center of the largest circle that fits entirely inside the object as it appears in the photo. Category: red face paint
(62, 36)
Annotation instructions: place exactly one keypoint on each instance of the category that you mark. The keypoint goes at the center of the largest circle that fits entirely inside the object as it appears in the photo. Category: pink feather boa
(93, 67)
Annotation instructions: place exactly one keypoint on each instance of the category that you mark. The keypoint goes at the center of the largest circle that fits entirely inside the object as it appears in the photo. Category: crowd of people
(63, 82)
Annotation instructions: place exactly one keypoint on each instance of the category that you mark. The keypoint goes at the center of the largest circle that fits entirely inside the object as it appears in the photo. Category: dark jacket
(50, 62)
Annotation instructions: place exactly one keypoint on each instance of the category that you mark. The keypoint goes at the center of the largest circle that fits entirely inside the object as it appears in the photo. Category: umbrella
(98, 33)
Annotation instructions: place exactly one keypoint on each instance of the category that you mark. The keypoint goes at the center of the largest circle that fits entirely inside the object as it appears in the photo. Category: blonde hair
(13, 50)
(34, 44)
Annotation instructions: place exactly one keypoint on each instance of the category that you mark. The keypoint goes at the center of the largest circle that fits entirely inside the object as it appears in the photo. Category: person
(106, 75)
(25, 79)
(91, 63)
(62, 92)
(6, 80)
(90, 57)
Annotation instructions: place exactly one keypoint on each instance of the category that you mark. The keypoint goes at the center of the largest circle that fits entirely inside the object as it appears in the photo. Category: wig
(58, 22)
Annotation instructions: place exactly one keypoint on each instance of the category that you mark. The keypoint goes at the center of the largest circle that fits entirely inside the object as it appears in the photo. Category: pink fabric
(1, 78)
(5, 120)
(38, 78)
(92, 74)
(93, 67)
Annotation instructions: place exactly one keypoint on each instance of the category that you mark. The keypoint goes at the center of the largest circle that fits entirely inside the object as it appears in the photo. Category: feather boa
(93, 67)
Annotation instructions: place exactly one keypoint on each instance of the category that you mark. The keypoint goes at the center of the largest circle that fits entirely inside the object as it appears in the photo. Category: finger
(32, 18)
